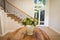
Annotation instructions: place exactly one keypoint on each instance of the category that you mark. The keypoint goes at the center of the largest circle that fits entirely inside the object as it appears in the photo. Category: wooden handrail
(18, 8)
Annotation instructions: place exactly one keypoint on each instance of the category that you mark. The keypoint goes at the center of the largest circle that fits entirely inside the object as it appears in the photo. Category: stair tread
(13, 16)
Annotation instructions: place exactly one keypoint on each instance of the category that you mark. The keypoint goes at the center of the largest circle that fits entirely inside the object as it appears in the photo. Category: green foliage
(29, 21)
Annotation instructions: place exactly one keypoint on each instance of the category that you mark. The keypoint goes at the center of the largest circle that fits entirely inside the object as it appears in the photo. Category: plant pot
(30, 29)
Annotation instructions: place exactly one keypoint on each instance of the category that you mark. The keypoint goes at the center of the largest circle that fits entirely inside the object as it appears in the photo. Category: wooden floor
(52, 34)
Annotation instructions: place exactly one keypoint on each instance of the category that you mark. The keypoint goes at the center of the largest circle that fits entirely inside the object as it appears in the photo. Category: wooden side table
(20, 34)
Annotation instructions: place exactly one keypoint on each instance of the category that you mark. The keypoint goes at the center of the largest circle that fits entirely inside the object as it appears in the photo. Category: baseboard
(9, 31)
(55, 30)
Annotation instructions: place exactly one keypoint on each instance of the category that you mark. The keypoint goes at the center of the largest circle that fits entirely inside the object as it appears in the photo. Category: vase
(30, 29)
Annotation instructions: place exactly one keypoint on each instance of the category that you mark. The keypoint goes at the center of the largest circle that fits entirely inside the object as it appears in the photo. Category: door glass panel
(42, 15)
(39, 10)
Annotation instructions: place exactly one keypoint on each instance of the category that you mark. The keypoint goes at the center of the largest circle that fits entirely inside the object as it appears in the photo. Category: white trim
(39, 18)
(2, 25)
(55, 30)
(42, 26)
(4, 33)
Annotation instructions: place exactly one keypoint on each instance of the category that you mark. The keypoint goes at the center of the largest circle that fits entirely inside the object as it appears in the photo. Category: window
(39, 11)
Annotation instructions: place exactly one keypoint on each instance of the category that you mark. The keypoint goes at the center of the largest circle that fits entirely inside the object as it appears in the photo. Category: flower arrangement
(30, 24)
(29, 21)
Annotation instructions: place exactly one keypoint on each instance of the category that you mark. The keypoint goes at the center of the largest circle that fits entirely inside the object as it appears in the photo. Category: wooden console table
(20, 34)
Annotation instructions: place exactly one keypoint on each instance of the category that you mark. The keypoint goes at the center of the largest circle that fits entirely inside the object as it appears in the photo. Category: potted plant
(29, 24)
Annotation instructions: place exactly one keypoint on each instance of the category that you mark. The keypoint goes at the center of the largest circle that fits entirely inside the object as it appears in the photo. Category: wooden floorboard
(52, 34)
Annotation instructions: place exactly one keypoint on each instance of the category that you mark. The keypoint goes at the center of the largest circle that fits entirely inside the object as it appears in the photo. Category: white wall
(54, 20)
(25, 5)
(47, 11)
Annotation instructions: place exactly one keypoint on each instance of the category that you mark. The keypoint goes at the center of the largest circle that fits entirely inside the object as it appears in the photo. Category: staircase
(15, 13)
(9, 22)
(11, 19)
(13, 16)
(10, 8)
